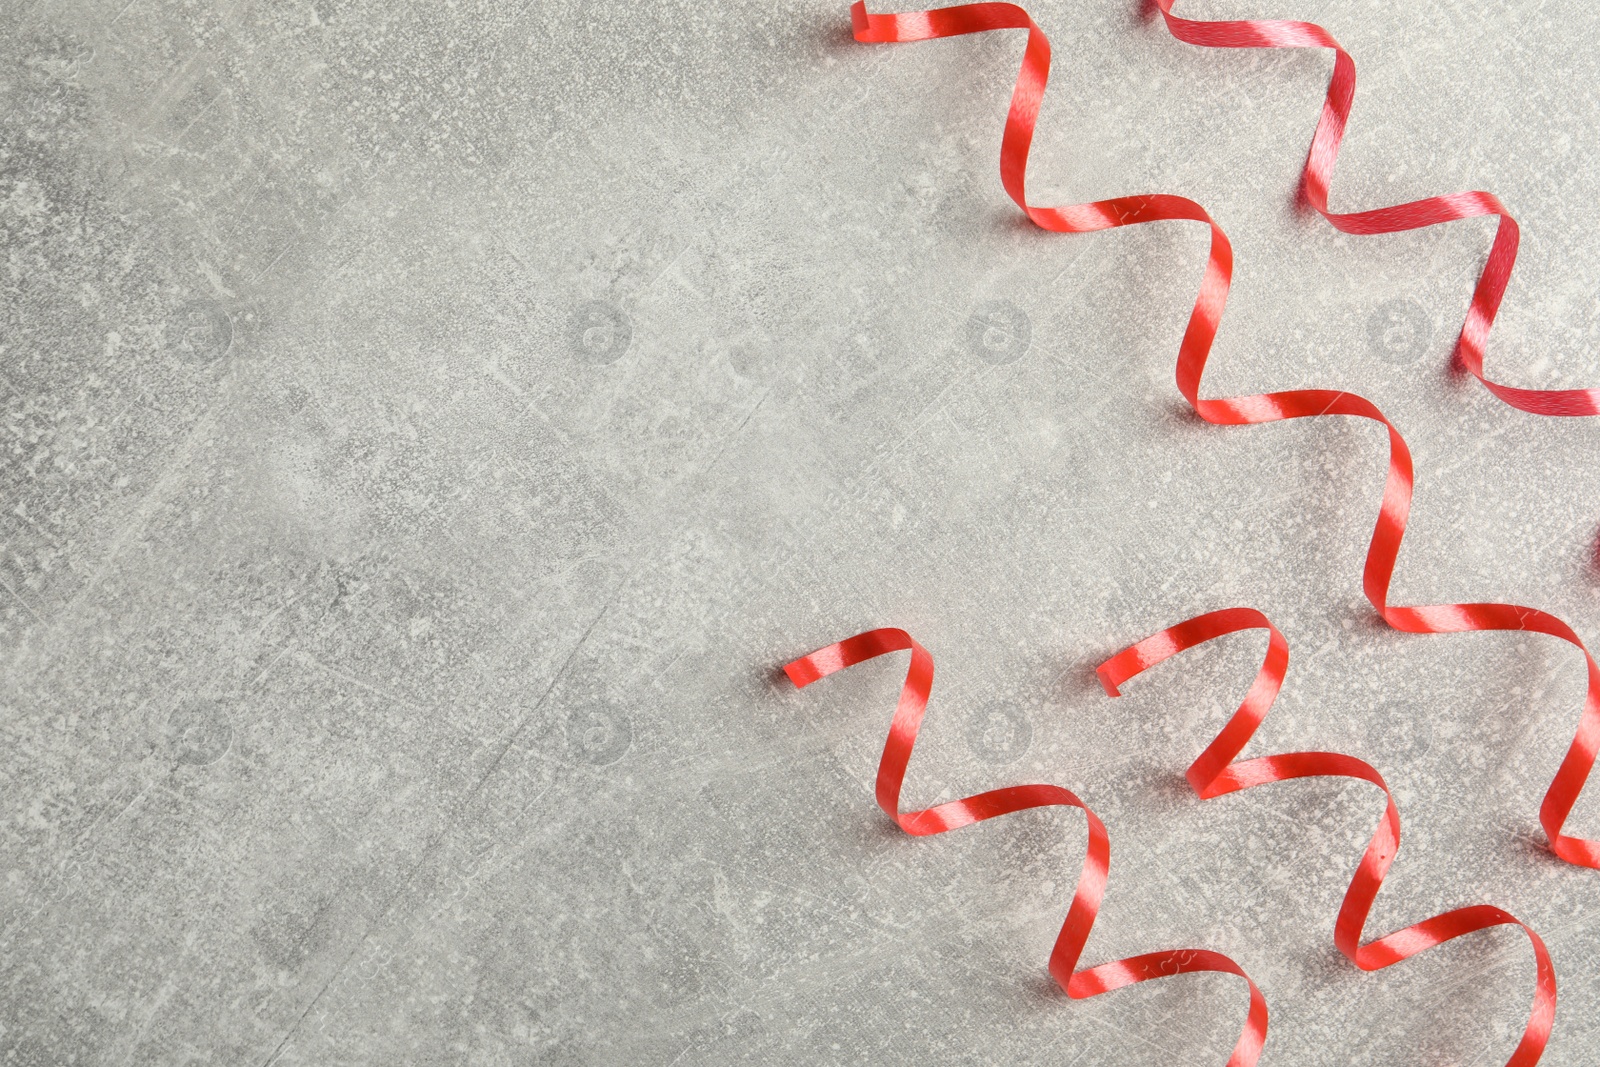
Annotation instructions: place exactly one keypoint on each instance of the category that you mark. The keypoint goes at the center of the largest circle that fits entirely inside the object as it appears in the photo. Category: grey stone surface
(427, 426)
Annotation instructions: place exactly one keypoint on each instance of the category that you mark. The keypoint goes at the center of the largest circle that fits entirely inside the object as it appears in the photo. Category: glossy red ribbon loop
(1068, 948)
(1214, 774)
(1318, 173)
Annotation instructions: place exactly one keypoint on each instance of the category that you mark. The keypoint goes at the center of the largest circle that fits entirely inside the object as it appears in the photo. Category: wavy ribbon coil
(1214, 774)
(1430, 211)
(941, 818)
(1213, 770)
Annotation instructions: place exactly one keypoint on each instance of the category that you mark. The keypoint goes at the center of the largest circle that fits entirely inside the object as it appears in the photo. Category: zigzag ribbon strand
(1318, 173)
(941, 818)
(1193, 351)
(1214, 774)
(1213, 769)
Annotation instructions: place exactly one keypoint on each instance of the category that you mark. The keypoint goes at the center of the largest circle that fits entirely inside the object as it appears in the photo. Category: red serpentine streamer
(1214, 774)
(1382, 552)
(1193, 351)
(1491, 287)
(1068, 948)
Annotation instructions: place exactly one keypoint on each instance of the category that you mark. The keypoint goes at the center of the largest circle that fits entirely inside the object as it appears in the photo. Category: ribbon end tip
(858, 19)
(801, 672)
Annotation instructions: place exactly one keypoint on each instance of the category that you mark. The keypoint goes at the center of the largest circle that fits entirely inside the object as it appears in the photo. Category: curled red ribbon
(1068, 948)
(1318, 172)
(1383, 549)
(1195, 347)
(1214, 774)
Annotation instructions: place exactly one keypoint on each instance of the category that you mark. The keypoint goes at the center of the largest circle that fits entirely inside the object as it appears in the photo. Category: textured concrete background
(427, 425)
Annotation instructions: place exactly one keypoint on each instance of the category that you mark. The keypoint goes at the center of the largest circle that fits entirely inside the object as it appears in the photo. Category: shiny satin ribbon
(1195, 348)
(1491, 287)
(1214, 774)
(941, 818)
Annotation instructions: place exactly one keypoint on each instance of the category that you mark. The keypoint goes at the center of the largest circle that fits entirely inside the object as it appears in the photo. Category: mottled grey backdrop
(429, 423)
